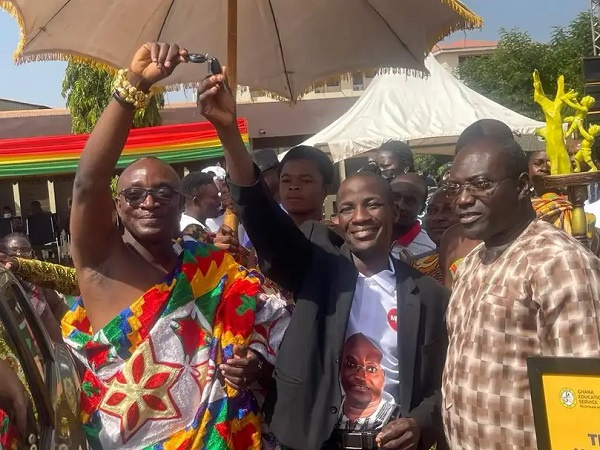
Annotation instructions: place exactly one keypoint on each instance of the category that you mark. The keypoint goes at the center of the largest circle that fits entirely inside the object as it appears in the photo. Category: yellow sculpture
(581, 111)
(585, 151)
(553, 133)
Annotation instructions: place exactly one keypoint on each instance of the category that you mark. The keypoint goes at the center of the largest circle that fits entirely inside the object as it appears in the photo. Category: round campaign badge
(393, 318)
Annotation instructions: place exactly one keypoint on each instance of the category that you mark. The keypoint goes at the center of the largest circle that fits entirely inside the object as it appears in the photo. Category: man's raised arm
(283, 250)
(94, 235)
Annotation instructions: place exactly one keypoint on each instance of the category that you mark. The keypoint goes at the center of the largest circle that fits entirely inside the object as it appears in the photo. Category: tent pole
(231, 219)
(232, 41)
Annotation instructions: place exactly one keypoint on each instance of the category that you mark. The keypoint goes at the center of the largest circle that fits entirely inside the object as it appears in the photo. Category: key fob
(215, 68)
(197, 58)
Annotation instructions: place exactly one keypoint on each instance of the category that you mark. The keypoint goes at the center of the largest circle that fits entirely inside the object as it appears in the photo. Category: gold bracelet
(128, 92)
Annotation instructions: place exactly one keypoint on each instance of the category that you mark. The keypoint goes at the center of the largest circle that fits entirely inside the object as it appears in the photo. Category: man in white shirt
(202, 200)
(304, 408)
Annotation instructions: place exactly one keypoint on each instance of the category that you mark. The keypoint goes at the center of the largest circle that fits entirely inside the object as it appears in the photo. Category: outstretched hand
(153, 62)
(215, 103)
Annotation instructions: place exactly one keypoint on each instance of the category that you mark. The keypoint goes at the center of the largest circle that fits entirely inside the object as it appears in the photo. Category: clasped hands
(243, 369)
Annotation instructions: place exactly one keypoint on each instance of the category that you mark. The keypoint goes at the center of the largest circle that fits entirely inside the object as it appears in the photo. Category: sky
(40, 83)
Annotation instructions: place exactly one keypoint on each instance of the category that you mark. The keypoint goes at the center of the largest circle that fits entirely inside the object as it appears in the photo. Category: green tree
(88, 90)
(505, 75)
(430, 163)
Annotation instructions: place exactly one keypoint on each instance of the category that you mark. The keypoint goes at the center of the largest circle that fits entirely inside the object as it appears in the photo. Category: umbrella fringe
(77, 59)
(11, 9)
(416, 73)
(472, 21)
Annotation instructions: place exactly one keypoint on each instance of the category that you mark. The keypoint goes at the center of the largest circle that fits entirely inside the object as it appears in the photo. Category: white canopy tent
(427, 113)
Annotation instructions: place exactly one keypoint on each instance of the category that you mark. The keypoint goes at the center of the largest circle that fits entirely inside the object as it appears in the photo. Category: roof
(466, 43)
(26, 104)
(65, 112)
(425, 112)
(50, 155)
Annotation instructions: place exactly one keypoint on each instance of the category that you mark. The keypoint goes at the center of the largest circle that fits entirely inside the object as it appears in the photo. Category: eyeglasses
(24, 252)
(477, 188)
(368, 368)
(135, 196)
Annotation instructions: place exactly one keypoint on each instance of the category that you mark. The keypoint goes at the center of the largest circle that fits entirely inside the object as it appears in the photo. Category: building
(271, 124)
(451, 55)
(14, 105)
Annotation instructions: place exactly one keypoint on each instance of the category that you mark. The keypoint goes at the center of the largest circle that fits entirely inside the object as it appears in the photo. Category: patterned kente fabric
(152, 380)
(246, 258)
(9, 435)
(454, 268)
(558, 210)
(430, 266)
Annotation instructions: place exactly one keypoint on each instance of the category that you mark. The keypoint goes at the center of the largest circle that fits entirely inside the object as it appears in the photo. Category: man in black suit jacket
(322, 271)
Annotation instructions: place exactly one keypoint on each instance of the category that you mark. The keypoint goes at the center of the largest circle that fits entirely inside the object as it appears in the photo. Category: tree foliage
(430, 163)
(505, 75)
(88, 90)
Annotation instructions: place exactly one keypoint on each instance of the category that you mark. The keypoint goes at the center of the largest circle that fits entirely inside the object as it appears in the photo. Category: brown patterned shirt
(538, 296)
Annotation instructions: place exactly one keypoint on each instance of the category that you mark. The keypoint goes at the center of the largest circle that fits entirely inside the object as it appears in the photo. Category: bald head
(372, 179)
(484, 128)
(509, 157)
(149, 166)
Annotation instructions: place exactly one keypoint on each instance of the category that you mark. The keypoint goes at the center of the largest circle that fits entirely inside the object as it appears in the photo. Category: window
(333, 85)
(358, 81)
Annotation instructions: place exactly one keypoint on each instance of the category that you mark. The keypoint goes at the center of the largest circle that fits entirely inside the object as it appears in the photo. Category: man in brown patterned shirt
(529, 289)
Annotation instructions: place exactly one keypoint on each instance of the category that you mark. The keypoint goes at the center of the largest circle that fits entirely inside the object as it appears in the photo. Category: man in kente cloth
(155, 320)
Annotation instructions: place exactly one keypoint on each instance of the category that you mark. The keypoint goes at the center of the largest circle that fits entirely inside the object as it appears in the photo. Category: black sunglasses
(135, 196)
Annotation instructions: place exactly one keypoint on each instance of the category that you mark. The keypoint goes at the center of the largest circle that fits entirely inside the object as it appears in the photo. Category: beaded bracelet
(128, 93)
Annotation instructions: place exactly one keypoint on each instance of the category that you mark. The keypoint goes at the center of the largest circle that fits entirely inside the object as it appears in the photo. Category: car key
(197, 58)
(214, 67)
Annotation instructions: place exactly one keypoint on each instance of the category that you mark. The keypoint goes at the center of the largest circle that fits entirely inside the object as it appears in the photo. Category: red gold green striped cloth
(50, 155)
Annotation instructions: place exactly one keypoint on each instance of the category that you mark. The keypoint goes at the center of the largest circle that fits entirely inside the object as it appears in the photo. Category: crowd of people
(370, 330)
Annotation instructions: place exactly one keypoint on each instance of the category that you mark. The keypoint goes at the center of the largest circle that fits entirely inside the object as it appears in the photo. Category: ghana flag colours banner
(49, 155)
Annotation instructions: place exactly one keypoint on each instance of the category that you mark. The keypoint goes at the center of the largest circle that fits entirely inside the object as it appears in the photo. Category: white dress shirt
(374, 313)
(189, 220)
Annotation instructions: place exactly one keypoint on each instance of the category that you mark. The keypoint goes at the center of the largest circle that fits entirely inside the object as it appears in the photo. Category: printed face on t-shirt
(362, 376)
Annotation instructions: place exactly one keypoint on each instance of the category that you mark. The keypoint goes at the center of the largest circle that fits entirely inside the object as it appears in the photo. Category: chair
(43, 233)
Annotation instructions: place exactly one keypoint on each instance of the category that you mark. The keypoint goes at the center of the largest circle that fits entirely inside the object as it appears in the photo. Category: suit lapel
(409, 312)
(344, 287)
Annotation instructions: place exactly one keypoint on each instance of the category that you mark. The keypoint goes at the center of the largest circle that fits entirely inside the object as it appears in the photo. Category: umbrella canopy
(285, 46)
(427, 113)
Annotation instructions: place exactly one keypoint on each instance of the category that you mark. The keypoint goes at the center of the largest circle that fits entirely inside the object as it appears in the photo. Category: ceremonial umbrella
(286, 47)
